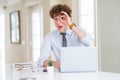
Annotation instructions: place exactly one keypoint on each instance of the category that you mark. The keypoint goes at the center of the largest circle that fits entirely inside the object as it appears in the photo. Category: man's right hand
(45, 63)
(55, 63)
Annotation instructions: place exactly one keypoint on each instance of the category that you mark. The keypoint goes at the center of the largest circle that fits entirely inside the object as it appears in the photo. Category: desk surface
(17, 75)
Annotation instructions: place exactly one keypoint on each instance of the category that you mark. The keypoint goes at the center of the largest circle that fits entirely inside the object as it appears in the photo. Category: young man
(73, 35)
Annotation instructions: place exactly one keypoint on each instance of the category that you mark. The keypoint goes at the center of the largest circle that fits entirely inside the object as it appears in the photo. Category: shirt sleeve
(87, 40)
(45, 50)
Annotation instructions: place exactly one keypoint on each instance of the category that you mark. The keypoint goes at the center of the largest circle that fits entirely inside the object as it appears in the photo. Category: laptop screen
(79, 59)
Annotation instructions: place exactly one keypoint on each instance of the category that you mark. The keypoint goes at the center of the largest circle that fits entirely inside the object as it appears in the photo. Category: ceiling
(8, 2)
(5, 3)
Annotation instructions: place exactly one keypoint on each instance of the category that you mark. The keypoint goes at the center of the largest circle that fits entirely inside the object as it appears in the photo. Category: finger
(68, 18)
(63, 22)
(64, 13)
(63, 19)
(57, 65)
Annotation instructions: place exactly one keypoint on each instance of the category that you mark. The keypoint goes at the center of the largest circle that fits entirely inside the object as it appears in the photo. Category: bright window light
(2, 45)
(37, 31)
(87, 16)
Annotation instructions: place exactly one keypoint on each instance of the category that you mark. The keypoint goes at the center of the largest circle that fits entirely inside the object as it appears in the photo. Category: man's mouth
(59, 26)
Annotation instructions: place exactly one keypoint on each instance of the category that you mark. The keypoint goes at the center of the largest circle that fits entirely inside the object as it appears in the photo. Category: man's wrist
(45, 63)
(72, 25)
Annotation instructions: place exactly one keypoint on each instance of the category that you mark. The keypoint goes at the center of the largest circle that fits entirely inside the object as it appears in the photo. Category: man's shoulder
(52, 33)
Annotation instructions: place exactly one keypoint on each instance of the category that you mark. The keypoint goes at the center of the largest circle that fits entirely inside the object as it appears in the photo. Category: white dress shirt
(53, 42)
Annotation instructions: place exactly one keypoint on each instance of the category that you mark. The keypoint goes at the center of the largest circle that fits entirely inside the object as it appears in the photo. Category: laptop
(79, 59)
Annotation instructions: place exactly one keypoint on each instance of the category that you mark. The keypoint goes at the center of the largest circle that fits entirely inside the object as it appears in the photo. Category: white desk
(13, 75)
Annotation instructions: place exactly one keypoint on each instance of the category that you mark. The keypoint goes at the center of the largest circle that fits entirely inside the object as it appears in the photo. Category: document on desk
(28, 79)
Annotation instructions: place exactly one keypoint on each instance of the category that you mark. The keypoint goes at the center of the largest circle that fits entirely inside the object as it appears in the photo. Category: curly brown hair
(56, 10)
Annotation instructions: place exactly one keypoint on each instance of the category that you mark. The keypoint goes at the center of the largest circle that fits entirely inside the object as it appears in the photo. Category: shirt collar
(68, 31)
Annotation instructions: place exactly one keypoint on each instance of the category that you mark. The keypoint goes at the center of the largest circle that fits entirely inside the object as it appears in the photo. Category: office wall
(46, 18)
(15, 52)
(18, 52)
(109, 26)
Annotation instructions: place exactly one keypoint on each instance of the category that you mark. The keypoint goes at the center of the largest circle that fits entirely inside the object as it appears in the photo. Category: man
(75, 36)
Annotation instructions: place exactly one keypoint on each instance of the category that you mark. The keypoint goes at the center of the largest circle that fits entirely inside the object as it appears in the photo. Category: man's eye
(62, 18)
(55, 18)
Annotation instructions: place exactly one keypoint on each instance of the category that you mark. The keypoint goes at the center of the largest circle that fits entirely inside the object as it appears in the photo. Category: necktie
(64, 41)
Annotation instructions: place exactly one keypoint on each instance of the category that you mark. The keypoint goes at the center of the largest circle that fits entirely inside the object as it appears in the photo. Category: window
(86, 15)
(2, 45)
(37, 30)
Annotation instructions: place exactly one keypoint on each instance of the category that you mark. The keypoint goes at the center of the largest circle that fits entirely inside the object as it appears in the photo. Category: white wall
(19, 52)
(109, 25)
(15, 52)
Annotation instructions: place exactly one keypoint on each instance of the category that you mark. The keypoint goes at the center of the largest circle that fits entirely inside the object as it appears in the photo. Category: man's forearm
(81, 34)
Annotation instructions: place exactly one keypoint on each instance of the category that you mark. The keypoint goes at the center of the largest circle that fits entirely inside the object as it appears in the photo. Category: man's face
(60, 23)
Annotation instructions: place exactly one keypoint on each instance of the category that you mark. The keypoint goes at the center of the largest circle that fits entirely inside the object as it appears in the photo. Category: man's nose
(59, 21)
